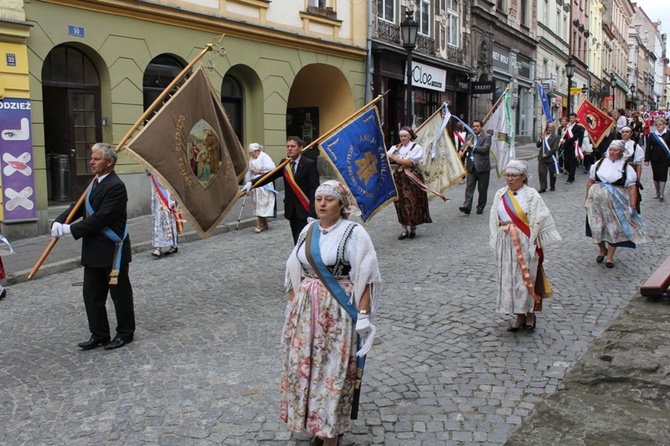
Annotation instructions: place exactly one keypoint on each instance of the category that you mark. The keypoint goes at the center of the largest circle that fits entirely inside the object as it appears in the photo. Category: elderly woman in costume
(521, 227)
(333, 284)
(412, 203)
(263, 198)
(657, 153)
(611, 220)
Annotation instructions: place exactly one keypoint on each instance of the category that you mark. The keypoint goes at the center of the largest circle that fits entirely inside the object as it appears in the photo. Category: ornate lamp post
(569, 72)
(612, 86)
(409, 29)
(632, 96)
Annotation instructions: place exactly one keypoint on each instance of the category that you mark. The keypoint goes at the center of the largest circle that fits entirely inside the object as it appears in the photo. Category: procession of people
(333, 280)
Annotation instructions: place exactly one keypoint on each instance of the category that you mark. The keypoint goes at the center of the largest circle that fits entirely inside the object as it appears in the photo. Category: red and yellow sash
(541, 289)
(163, 195)
(290, 180)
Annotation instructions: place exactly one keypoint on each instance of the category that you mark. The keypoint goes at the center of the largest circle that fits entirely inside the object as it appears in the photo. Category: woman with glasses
(521, 226)
(611, 220)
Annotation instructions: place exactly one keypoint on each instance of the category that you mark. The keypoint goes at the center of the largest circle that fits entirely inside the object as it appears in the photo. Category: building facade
(95, 66)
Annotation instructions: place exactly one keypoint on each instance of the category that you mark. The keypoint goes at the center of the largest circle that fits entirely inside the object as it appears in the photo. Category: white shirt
(411, 151)
(611, 171)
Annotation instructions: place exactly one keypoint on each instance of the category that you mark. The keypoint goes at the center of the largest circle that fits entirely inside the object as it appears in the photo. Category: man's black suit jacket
(307, 178)
(108, 200)
(577, 136)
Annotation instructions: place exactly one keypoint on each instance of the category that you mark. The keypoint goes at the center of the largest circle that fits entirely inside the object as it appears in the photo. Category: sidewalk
(65, 255)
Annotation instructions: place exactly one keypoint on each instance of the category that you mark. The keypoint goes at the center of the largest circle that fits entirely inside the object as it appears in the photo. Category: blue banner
(358, 153)
(545, 103)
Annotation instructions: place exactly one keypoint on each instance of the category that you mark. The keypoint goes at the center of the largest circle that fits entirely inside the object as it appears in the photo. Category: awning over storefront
(620, 83)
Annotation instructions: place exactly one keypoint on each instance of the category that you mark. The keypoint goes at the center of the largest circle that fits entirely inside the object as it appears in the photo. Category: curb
(137, 248)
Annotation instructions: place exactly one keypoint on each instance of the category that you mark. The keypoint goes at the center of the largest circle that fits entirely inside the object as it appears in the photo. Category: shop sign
(500, 57)
(425, 76)
(16, 150)
(482, 87)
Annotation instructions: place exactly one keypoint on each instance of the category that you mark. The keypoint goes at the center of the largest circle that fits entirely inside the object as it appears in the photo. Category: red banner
(596, 121)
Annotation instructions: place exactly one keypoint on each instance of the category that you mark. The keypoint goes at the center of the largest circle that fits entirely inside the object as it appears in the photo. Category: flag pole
(119, 147)
(317, 140)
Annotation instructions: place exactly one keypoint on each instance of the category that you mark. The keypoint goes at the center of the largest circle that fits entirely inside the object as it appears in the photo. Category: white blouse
(503, 216)
(611, 171)
(411, 151)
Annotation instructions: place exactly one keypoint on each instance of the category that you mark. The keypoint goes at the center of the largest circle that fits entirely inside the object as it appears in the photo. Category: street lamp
(632, 96)
(612, 85)
(569, 72)
(409, 29)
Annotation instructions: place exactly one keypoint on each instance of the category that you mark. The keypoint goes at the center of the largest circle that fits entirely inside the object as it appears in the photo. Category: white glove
(56, 230)
(173, 203)
(366, 330)
(66, 229)
(247, 187)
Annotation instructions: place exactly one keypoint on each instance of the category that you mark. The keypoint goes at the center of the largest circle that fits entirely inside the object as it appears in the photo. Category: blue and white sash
(662, 143)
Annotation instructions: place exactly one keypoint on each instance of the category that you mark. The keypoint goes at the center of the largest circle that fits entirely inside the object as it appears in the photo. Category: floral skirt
(319, 362)
(412, 204)
(609, 218)
(264, 202)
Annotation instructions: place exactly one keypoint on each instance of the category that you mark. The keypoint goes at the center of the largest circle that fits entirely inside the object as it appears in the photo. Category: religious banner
(192, 148)
(356, 149)
(441, 165)
(596, 121)
(499, 126)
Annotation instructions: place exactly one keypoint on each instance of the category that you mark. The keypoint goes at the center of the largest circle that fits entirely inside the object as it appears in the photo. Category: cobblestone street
(204, 367)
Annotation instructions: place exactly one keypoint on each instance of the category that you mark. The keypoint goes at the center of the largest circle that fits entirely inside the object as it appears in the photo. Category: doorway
(72, 120)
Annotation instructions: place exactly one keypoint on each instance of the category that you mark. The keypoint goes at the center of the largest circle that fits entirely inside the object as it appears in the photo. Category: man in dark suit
(548, 145)
(478, 165)
(572, 140)
(105, 251)
(299, 185)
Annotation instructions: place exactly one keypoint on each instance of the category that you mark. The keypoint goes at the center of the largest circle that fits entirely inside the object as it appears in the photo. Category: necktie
(95, 184)
(293, 166)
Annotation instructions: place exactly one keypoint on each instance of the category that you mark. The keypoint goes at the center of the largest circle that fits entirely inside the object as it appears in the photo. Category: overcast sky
(657, 10)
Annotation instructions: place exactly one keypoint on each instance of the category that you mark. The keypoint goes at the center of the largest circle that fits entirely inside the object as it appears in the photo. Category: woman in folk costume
(611, 220)
(166, 219)
(412, 204)
(263, 198)
(657, 153)
(521, 227)
(333, 284)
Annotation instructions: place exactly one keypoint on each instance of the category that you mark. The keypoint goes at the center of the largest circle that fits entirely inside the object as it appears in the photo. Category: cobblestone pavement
(204, 367)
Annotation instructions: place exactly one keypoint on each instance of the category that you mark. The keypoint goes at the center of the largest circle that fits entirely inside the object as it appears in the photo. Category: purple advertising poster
(16, 160)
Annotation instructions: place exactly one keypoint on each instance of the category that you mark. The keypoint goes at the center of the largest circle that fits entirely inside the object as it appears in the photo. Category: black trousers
(96, 287)
(481, 180)
(545, 169)
(296, 227)
(570, 162)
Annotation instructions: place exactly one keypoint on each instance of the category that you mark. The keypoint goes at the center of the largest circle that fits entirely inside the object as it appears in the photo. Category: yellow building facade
(93, 67)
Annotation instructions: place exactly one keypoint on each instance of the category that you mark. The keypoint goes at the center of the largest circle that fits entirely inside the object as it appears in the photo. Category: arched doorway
(72, 120)
(232, 99)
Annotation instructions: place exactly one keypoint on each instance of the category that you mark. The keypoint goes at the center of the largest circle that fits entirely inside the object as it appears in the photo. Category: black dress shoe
(466, 211)
(541, 191)
(118, 343)
(3, 294)
(93, 343)
(480, 211)
(553, 189)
